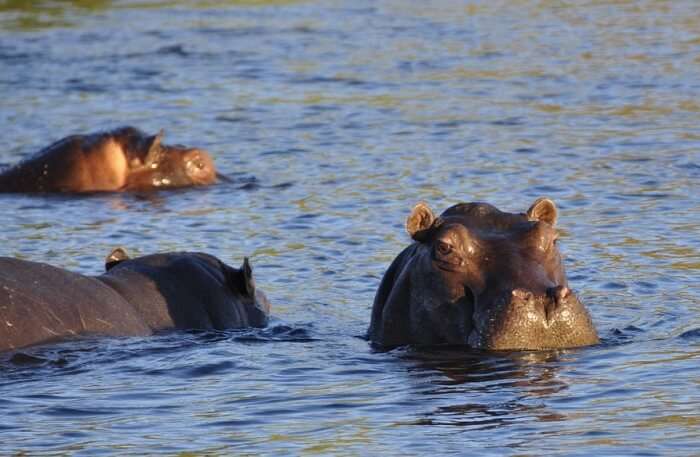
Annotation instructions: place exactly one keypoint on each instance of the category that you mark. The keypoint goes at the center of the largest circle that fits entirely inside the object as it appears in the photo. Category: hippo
(40, 303)
(479, 277)
(117, 160)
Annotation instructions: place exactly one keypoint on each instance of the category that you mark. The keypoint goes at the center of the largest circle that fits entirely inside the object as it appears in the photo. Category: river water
(333, 119)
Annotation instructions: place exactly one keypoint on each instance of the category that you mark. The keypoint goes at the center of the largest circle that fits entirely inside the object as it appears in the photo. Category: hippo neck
(142, 295)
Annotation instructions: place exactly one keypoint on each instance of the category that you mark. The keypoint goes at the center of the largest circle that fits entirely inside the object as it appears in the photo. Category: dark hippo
(122, 159)
(185, 290)
(480, 277)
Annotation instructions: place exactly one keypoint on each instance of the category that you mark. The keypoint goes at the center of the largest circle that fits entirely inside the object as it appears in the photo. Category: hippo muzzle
(523, 320)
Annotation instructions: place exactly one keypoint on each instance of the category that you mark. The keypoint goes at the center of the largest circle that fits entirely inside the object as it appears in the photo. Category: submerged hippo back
(78, 163)
(40, 303)
(480, 277)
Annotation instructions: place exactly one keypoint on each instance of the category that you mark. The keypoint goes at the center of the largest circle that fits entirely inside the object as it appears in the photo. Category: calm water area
(332, 120)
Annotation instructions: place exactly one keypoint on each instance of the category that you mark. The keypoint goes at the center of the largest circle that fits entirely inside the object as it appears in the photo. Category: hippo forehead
(480, 231)
(176, 148)
(485, 218)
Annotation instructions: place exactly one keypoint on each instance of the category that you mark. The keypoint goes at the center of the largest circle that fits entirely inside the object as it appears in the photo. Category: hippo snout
(544, 307)
(525, 320)
(199, 167)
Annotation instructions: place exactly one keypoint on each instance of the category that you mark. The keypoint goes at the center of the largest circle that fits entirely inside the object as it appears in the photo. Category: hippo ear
(154, 147)
(115, 257)
(248, 276)
(420, 221)
(543, 209)
(242, 279)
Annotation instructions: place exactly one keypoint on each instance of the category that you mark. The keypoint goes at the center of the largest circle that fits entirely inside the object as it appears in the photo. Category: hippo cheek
(467, 305)
(260, 309)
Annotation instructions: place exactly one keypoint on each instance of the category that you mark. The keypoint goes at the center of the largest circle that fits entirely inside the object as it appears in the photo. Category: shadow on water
(691, 335)
(503, 387)
(156, 198)
(77, 356)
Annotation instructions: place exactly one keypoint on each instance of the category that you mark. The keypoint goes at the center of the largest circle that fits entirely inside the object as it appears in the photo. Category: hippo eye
(443, 248)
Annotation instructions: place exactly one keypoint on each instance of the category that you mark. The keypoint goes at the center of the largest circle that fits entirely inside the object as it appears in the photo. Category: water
(333, 119)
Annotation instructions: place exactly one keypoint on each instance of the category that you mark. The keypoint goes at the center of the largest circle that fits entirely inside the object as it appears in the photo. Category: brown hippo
(480, 277)
(185, 290)
(121, 159)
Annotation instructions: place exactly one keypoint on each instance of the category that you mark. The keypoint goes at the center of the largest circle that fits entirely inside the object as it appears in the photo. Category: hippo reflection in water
(121, 159)
(186, 290)
(480, 277)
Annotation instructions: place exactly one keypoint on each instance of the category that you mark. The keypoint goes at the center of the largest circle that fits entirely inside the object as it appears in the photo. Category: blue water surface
(332, 120)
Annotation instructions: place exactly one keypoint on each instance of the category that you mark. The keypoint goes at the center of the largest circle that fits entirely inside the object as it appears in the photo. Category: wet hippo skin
(185, 290)
(117, 160)
(480, 277)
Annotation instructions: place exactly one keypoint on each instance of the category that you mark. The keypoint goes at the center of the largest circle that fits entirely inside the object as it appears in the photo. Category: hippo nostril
(556, 295)
(550, 306)
(523, 294)
(559, 293)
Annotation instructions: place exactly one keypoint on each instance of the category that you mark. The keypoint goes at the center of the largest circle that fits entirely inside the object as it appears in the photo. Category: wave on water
(71, 354)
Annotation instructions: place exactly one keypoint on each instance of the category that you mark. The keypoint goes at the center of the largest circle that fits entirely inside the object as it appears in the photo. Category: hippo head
(254, 300)
(188, 280)
(154, 164)
(481, 277)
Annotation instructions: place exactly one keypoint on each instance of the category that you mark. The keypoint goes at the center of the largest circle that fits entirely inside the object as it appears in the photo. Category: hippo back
(40, 303)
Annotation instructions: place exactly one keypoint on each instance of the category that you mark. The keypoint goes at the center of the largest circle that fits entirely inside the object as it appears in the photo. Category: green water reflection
(22, 15)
